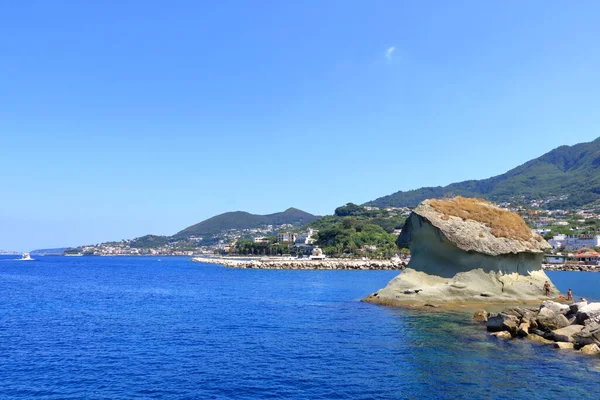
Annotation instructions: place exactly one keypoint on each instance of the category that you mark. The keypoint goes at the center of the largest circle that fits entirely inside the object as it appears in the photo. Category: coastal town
(574, 235)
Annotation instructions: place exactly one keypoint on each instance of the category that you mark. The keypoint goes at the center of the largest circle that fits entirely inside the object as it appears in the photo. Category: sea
(169, 328)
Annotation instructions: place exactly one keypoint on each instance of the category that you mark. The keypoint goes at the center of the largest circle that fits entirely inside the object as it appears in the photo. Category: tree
(348, 209)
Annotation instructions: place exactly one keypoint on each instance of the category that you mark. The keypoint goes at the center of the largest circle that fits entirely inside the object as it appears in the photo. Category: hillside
(49, 252)
(244, 220)
(572, 171)
(357, 231)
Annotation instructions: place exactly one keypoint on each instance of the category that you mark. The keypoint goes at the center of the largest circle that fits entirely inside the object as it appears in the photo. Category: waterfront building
(306, 239)
(575, 242)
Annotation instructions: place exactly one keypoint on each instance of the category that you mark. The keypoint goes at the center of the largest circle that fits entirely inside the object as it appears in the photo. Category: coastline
(305, 264)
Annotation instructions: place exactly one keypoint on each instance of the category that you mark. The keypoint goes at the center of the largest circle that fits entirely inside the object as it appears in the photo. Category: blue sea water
(123, 328)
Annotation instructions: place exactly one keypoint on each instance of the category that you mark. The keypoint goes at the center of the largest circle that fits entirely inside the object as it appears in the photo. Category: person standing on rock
(547, 288)
(569, 294)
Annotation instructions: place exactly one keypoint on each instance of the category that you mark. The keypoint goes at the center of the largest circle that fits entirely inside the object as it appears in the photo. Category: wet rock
(591, 349)
(523, 330)
(481, 316)
(564, 346)
(502, 335)
(565, 334)
(503, 322)
(539, 339)
(590, 334)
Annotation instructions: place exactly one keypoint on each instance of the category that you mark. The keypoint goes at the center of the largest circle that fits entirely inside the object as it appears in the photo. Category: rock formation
(573, 326)
(467, 250)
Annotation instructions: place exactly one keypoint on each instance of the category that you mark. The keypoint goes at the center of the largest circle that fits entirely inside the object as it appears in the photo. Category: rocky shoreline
(307, 264)
(574, 326)
(571, 267)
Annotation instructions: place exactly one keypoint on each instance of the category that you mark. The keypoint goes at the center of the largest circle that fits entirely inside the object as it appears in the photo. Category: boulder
(590, 311)
(564, 346)
(523, 330)
(575, 307)
(557, 308)
(520, 312)
(481, 316)
(591, 349)
(550, 321)
(590, 334)
(503, 322)
(502, 335)
(539, 339)
(565, 334)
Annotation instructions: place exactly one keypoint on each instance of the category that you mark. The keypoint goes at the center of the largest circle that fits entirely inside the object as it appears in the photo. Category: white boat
(26, 257)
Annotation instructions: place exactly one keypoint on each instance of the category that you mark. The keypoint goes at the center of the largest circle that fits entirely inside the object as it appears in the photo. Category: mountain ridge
(245, 220)
(572, 171)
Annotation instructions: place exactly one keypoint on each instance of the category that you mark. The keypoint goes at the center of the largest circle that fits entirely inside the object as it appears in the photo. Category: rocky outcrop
(549, 324)
(467, 251)
(443, 244)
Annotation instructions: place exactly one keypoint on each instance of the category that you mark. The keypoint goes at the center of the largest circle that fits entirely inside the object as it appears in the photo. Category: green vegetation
(567, 170)
(149, 241)
(502, 223)
(248, 247)
(355, 231)
(352, 231)
(243, 220)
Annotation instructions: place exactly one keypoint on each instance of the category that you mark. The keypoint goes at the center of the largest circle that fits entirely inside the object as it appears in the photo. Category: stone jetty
(573, 326)
(302, 263)
(571, 267)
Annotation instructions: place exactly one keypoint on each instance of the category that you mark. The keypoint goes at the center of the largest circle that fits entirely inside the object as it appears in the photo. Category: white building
(575, 242)
(261, 240)
(286, 237)
(306, 238)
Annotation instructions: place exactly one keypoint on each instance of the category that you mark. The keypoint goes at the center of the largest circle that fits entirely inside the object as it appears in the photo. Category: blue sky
(121, 118)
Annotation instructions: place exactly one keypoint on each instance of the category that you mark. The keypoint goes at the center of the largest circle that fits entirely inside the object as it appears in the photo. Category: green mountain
(244, 220)
(569, 176)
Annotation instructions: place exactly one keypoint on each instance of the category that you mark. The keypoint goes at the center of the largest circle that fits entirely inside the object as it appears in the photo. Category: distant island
(49, 252)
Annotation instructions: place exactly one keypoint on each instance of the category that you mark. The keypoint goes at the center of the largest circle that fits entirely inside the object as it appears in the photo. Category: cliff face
(444, 244)
(467, 250)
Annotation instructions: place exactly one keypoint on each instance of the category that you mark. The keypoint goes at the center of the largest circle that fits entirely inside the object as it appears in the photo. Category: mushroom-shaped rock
(448, 236)
(468, 251)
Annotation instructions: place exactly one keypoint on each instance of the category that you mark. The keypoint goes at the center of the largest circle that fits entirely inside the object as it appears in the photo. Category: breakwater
(571, 267)
(574, 326)
(327, 264)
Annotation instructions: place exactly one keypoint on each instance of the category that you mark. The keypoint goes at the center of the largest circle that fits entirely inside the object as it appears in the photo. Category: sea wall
(434, 254)
(327, 264)
(571, 267)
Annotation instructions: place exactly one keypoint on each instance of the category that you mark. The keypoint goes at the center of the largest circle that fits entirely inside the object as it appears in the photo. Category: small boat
(26, 257)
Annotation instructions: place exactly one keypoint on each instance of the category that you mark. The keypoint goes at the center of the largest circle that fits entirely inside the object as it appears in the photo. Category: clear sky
(122, 118)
